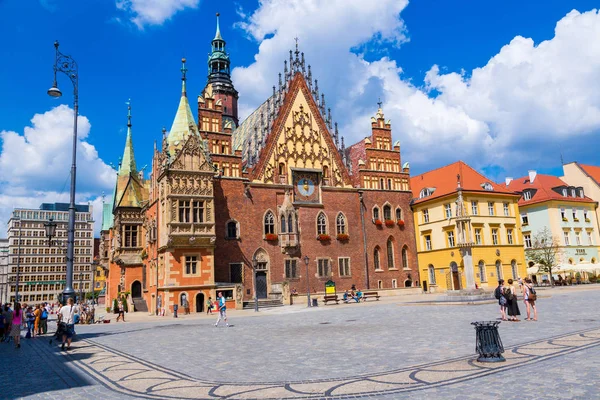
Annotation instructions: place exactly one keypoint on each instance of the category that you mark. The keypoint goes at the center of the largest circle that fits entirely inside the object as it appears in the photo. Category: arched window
(290, 221)
(499, 269)
(390, 253)
(387, 212)
(269, 223)
(405, 257)
(513, 267)
(375, 212)
(376, 258)
(321, 224)
(398, 214)
(481, 267)
(325, 171)
(431, 271)
(340, 223)
(281, 169)
(283, 225)
(232, 231)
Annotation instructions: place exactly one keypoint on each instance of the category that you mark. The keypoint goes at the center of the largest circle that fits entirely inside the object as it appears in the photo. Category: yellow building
(468, 230)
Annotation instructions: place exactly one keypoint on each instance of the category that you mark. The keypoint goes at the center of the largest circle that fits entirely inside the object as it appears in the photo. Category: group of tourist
(507, 296)
(35, 320)
(353, 294)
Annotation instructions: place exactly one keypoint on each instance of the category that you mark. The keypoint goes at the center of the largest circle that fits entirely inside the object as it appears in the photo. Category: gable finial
(323, 103)
(291, 65)
(302, 64)
(329, 117)
(183, 77)
(128, 113)
(309, 77)
(218, 33)
(316, 92)
(379, 103)
(335, 134)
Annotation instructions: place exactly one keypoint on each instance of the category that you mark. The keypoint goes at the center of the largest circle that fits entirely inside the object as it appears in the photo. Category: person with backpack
(529, 297)
(44, 320)
(512, 304)
(501, 299)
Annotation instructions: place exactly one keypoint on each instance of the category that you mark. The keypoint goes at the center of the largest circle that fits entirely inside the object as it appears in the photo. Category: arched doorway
(455, 276)
(136, 290)
(262, 268)
(200, 302)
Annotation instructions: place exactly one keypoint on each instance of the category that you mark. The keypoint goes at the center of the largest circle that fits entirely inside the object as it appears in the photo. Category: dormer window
(425, 192)
(527, 195)
(573, 193)
(488, 187)
(565, 193)
(581, 193)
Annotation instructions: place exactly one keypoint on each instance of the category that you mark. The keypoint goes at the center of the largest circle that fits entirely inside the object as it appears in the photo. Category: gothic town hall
(273, 206)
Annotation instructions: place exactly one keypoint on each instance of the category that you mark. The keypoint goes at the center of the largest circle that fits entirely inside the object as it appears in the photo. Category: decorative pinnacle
(379, 103)
(218, 33)
(128, 113)
(183, 78)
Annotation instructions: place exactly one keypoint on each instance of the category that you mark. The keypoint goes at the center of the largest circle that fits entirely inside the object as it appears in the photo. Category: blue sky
(126, 49)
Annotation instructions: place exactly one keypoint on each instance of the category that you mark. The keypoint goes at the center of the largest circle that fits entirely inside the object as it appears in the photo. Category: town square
(299, 199)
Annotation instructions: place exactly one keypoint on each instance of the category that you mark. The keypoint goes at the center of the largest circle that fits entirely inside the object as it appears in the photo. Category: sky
(504, 86)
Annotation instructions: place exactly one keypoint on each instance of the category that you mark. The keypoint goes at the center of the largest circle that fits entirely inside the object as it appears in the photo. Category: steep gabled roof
(256, 121)
(355, 153)
(443, 181)
(543, 185)
(592, 171)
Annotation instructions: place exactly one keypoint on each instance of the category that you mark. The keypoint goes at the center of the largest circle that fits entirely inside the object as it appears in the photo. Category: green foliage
(115, 306)
(545, 251)
(94, 294)
(593, 278)
(107, 309)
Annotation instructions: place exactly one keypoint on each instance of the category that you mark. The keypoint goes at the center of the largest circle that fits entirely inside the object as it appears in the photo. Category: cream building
(42, 267)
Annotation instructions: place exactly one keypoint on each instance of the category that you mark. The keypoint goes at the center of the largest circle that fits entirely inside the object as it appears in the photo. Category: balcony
(288, 240)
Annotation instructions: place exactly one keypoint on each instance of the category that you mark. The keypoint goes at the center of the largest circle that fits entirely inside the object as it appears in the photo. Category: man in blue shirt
(222, 309)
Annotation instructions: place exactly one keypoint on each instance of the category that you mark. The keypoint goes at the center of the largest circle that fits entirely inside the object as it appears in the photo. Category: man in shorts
(66, 315)
(222, 309)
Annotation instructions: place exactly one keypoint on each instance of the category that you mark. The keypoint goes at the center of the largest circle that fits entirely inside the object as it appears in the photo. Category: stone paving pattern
(384, 350)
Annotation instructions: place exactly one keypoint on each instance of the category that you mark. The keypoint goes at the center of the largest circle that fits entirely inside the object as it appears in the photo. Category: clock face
(306, 187)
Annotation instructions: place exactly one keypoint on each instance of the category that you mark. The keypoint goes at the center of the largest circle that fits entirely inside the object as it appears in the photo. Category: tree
(545, 251)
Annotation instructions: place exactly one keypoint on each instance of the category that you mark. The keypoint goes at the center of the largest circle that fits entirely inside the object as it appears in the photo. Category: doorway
(200, 302)
(455, 276)
(136, 290)
(261, 284)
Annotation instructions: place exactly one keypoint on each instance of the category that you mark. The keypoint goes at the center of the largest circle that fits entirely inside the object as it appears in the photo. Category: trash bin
(315, 302)
(175, 307)
(487, 341)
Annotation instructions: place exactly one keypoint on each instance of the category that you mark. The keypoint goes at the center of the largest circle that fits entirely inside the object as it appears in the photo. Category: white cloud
(153, 12)
(484, 117)
(35, 166)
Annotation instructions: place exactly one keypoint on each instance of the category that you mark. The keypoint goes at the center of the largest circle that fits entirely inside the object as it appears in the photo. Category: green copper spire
(218, 34)
(128, 161)
(184, 119)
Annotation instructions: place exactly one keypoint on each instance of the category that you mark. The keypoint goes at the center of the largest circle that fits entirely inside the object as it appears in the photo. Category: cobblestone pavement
(386, 350)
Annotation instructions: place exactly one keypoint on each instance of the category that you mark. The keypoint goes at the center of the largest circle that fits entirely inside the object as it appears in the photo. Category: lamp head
(306, 260)
(54, 91)
(50, 228)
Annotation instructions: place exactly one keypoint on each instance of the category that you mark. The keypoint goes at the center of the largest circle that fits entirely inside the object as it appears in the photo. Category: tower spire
(218, 33)
(183, 78)
(127, 165)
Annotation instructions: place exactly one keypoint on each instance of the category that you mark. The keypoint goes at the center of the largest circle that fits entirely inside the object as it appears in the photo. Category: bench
(331, 297)
(370, 294)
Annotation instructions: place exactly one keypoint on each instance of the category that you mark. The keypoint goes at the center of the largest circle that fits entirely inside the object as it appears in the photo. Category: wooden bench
(370, 294)
(331, 297)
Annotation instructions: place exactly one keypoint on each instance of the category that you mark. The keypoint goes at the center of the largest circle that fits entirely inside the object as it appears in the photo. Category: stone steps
(263, 303)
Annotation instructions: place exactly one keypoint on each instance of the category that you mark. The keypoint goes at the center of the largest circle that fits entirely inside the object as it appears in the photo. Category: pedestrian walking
(222, 310)
(121, 310)
(7, 313)
(17, 321)
(529, 297)
(44, 320)
(30, 318)
(512, 304)
(499, 295)
(38, 316)
(66, 316)
(209, 305)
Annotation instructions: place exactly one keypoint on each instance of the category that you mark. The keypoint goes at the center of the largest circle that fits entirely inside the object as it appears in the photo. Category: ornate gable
(300, 140)
(192, 157)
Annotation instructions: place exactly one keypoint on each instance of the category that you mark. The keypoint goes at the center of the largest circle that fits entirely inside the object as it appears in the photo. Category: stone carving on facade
(102, 246)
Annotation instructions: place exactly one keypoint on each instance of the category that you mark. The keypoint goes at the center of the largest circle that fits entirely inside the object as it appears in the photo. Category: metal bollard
(175, 307)
(487, 341)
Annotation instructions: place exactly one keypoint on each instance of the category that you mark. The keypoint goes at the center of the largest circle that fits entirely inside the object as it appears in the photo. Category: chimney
(508, 180)
(532, 175)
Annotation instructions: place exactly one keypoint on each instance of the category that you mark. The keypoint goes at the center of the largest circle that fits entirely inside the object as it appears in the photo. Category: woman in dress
(512, 304)
(17, 321)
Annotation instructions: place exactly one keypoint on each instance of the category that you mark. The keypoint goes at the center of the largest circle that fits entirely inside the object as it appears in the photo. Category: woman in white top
(66, 315)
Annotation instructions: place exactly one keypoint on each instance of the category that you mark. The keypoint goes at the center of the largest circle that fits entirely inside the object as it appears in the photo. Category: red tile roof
(592, 171)
(544, 185)
(444, 181)
(356, 152)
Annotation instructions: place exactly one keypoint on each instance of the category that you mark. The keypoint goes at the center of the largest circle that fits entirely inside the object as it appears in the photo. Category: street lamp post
(68, 66)
(18, 262)
(306, 260)
(81, 288)
(254, 266)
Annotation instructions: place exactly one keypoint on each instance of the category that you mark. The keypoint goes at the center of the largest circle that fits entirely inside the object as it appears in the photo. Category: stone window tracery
(321, 224)
(269, 223)
(341, 224)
